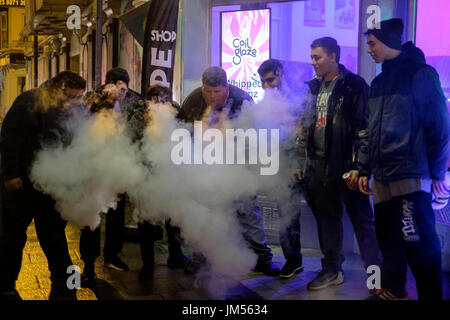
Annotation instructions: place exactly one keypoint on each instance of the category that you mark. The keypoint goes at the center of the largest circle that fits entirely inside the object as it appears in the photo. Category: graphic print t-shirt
(325, 92)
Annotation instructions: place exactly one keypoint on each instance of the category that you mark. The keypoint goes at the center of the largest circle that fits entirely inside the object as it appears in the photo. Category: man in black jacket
(32, 121)
(405, 145)
(149, 233)
(331, 123)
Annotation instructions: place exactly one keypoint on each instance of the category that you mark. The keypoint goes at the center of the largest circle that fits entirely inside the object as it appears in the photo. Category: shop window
(433, 39)
(294, 26)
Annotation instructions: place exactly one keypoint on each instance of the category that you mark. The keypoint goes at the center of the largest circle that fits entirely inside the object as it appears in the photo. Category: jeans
(250, 219)
(326, 201)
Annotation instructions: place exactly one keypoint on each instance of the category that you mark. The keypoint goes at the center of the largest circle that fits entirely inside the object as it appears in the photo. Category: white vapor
(102, 162)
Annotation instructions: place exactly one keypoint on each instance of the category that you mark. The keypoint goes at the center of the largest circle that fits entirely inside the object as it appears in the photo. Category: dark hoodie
(407, 122)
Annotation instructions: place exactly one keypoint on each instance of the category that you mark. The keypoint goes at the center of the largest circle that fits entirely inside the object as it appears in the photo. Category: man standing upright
(331, 123)
(271, 73)
(406, 147)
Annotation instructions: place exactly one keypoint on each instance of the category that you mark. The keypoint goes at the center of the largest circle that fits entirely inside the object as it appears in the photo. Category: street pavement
(34, 283)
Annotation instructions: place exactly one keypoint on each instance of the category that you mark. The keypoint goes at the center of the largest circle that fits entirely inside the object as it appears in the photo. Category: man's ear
(333, 57)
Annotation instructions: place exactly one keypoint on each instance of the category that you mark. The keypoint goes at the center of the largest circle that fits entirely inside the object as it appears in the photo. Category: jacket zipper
(379, 138)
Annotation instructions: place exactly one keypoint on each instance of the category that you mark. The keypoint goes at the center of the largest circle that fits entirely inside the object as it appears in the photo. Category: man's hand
(439, 187)
(352, 183)
(13, 184)
(298, 174)
(363, 184)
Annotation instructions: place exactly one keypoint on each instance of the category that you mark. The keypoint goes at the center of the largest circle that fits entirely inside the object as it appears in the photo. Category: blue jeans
(249, 216)
(326, 201)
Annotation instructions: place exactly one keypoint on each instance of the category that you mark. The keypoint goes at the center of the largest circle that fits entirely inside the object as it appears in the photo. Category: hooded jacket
(345, 117)
(407, 122)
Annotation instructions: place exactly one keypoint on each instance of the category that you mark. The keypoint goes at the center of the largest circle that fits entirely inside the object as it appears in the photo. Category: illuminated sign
(245, 45)
(12, 3)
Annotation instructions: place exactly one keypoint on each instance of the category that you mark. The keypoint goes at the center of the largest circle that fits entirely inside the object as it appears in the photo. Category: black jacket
(407, 132)
(194, 105)
(345, 117)
(25, 129)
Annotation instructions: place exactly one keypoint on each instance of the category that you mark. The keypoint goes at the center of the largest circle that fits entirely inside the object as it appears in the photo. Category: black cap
(389, 32)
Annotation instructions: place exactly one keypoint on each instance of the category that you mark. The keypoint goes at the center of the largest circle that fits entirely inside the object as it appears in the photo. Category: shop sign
(245, 45)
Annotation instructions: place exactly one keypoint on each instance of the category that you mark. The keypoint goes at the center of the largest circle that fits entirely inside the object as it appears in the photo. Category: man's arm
(13, 138)
(362, 145)
(358, 111)
(435, 118)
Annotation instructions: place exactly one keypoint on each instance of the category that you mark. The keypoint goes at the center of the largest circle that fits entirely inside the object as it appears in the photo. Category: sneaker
(326, 279)
(268, 268)
(177, 261)
(146, 273)
(385, 294)
(88, 274)
(115, 263)
(290, 269)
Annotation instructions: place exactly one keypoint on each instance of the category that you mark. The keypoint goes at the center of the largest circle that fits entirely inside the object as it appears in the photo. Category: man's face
(321, 61)
(376, 48)
(271, 80)
(122, 86)
(215, 96)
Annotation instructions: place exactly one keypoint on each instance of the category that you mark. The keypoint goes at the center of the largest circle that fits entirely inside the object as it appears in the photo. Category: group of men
(396, 130)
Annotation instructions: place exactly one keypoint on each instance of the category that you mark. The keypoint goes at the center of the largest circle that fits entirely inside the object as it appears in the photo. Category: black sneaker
(385, 294)
(268, 268)
(115, 263)
(88, 274)
(177, 261)
(290, 269)
(146, 273)
(325, 280)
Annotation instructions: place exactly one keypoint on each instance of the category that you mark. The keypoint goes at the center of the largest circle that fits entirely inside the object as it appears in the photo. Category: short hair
(273, 65)
(160, 91)
(329, 44)
(67, 79)
(117, 74)
(214, 76)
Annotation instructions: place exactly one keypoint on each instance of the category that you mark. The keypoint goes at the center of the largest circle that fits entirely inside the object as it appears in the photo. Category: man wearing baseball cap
(406, 147)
